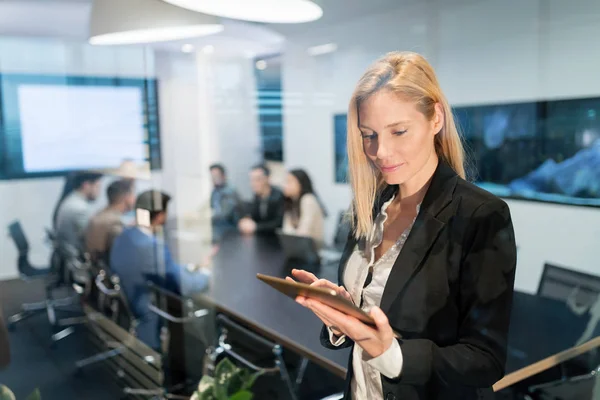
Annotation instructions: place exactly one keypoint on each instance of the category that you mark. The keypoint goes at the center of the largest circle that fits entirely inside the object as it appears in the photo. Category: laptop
(299, 248)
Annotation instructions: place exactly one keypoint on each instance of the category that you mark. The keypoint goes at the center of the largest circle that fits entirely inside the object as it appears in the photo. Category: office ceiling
(69, 19)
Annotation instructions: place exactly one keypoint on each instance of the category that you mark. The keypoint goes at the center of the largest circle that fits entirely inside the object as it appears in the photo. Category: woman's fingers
(381, 321)
(304, 276)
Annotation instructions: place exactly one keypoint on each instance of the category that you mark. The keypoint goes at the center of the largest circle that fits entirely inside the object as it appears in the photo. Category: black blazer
(273, 218)
(449, 293)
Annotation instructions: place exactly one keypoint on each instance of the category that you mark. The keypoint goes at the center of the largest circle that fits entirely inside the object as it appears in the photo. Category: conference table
(236, 292)
(539, 327)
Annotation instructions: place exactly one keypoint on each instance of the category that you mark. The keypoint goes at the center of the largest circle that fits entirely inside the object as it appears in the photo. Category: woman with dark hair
(304, 213)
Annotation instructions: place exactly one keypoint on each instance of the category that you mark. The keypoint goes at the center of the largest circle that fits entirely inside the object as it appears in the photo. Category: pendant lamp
(119, 22)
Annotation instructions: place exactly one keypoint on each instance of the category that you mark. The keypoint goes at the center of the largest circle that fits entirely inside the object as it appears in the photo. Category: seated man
(266, 211)
(140, 254)
(224, 203)
(75, 211)
(105, 226)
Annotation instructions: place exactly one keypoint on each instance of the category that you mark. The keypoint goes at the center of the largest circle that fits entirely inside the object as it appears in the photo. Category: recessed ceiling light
(208, 49)
(322, 49)
(187, 48)
(117, 22)
(271, 11)
(261, 64)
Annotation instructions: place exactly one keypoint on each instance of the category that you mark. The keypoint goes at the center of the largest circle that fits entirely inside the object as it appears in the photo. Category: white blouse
(366, 381)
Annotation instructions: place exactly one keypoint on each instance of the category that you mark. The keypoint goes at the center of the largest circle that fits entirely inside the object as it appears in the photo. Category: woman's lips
(390, 168)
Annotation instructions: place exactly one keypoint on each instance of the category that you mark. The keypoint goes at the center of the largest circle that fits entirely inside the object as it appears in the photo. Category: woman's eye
(400, 132)
(369, 137)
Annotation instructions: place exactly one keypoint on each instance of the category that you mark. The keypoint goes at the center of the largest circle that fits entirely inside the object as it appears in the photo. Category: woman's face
(396, 136)
(292, 187)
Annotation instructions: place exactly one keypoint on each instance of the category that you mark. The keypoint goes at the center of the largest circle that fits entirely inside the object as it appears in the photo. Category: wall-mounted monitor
(546, 151)
(53, 124)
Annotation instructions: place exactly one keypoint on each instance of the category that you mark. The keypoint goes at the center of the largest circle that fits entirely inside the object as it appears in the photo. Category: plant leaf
(250, 380)
(6, 393)
(242, 395)
(206, 384)
(35, 395)
(224, 373)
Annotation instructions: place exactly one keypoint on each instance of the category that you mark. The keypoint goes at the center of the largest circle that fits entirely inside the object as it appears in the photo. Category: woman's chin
(393, 178)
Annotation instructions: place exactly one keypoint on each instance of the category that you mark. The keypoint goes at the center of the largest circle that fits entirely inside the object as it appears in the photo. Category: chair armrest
(102, 287)
(192, 315)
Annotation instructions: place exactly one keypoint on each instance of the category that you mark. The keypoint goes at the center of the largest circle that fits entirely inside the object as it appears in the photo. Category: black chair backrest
(559, 282)
(343, 230)
(15, 230)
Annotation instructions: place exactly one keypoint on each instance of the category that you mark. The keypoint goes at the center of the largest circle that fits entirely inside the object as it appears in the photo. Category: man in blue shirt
(140, 254)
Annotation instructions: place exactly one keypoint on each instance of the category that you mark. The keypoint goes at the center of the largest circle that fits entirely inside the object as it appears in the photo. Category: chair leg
(60, 335)
(38, 306)
(99, 357)
(284, 373)
(301, 372)
(23, 315)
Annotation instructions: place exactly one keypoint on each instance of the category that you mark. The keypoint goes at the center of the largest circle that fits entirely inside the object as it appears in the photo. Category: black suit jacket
(449, 293)
(273, 218)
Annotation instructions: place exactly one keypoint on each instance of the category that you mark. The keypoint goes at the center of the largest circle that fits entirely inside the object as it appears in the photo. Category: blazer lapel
(435, 211)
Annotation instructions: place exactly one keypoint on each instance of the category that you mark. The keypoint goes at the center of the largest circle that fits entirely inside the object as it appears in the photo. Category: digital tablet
(324, 295)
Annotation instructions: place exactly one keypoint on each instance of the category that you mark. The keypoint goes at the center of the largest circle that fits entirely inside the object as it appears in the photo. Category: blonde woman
(431, 256)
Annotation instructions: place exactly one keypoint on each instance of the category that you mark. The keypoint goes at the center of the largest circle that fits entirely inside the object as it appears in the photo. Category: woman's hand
(310, 279)
(374, 340)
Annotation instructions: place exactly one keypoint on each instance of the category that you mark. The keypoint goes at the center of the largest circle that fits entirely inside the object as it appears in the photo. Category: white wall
(483, 52)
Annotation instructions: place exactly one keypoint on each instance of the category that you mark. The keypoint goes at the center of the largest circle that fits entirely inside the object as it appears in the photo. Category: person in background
(224, 203)
(75, 211)
(140, 254)
(304, 213)
(266, 211)
(105, 226)
(67, 190)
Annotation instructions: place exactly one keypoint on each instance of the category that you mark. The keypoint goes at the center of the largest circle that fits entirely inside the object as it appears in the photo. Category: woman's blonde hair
(411, 77)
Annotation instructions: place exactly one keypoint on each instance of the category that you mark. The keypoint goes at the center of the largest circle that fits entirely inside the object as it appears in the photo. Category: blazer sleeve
(486, 284)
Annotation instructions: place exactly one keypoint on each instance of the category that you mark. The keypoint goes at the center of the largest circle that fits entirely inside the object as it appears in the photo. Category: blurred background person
(75, 211)
(224, 203)
(304, 214)
(141, 254)
(266, 210)
(105, 226)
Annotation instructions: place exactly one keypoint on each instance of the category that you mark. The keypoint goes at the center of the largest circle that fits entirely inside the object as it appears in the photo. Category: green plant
(7, 394)
(229, 383)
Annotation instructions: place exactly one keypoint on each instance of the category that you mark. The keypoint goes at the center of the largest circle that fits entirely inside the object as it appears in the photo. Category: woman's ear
(438, 119)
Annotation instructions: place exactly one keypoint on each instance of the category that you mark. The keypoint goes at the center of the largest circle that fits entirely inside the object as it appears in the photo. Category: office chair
(159, 307)
(52, 280)
(225, 325)
(113, 299)
(580, 292)
(118, 333)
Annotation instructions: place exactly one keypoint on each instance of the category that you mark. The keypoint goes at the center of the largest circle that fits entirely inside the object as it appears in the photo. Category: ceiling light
(115, 22)
(261, 65)
(187, 48)
(208, 49)
(271, 11)
(322, 49)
